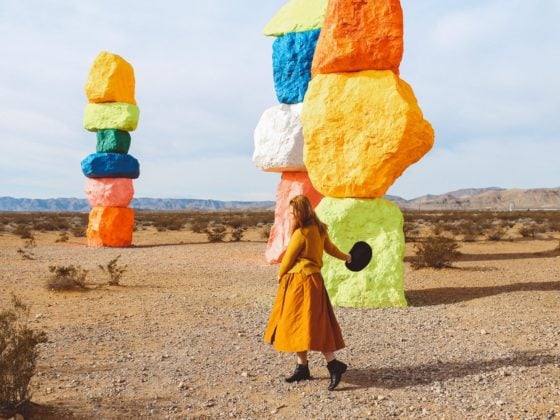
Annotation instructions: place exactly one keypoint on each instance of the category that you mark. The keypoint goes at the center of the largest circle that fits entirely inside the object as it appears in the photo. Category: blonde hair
(304, 215)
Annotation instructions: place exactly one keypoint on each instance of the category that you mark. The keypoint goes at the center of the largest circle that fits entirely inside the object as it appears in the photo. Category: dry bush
(169, 222)
(23, 231)
(26, 252)
(62, 237)
(216, 233)
(79, 231)
(436, 252)
(496, 234)
(199, 226)
(237, 234)
(528, 231)
(18, 356)
(265, 231)
(66, 277)
(114, 271)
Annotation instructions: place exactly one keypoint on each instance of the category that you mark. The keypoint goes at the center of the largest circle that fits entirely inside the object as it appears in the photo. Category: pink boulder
(109, 192)
(292, 184)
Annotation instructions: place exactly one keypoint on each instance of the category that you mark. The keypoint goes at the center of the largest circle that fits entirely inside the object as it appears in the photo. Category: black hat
(361, 256)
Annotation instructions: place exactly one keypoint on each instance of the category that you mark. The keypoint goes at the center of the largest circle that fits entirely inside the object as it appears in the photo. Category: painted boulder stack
(279, 140)
(362, 128)
(111, 113)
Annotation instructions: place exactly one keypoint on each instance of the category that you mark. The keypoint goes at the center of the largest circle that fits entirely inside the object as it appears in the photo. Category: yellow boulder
(110, 79)
(110, 226)
(361, 131)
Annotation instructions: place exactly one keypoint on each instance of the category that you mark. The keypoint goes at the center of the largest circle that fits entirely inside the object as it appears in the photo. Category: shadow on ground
(406, 376)
(449, 295)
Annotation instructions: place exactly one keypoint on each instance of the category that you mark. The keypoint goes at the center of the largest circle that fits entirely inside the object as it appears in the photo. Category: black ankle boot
(336, 369)
(300, 373)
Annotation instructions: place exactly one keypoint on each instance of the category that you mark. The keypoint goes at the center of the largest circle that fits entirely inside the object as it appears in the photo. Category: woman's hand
(348, 258)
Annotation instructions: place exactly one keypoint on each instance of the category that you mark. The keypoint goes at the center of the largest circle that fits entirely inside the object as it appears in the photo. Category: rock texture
(110, 165)
(113, 115)
(279, 140)
(110, 227)
(113, 141)
(292, 184)
(379, 223)
(362, 130)
(360, 35)
(109, 192)
(111, 79)
(297, 16)
(292, 55)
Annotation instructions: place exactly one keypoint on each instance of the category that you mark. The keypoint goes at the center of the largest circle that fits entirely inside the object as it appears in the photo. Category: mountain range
(492, 198)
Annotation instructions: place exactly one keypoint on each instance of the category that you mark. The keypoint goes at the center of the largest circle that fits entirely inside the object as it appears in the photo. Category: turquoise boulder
(292, 56)
(110, 165)
(113, 141)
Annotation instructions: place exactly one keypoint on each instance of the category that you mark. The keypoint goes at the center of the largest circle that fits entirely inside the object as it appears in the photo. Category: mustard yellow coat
(302, 317)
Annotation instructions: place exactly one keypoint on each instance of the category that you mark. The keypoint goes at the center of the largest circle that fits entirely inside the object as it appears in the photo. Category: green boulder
(297, 16)
(113, 141)
(378, 222)
(111, 115)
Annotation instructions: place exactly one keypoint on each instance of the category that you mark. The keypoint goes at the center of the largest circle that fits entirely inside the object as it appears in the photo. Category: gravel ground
(182, 336)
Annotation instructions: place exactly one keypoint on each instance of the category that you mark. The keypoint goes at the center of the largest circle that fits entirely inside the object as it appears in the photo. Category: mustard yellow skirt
(302, 316)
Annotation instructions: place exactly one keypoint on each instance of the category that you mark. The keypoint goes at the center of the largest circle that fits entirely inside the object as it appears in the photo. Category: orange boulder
(110, 226)
(360, 35)
(110, 79)
(292, 184)
(361, 132)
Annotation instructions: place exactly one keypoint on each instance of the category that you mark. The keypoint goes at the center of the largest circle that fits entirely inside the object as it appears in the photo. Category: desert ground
(181, 336)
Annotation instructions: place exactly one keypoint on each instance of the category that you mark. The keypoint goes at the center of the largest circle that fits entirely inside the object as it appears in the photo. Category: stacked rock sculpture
(278, 135)
(362, 127)
(112, 113)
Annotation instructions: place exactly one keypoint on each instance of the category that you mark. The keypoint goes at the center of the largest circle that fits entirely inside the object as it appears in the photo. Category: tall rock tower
(361, 128)
(111, 113)
(278, 135)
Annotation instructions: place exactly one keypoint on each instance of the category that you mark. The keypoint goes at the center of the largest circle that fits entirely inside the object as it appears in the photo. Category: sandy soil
(182, 336)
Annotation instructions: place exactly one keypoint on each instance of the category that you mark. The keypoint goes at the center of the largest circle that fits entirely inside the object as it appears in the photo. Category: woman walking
(302, 318)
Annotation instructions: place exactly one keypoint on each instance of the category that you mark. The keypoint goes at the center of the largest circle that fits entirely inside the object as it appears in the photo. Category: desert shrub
(114, 271)
(436, 252)
(265, 231)
(237, 234)
(171, 222)
(528, 231)
(26, 252)
(199, 226)
(79, 231)
(66, 277)
(23, 231)
(216, 233)
(62, 237)
(18, 356)
(496, 234)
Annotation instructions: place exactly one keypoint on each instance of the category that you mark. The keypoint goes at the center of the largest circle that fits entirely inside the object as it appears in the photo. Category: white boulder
(279, 140)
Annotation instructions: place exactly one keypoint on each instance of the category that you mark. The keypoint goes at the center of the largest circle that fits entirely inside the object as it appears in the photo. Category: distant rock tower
(362, 129)
(111, 113)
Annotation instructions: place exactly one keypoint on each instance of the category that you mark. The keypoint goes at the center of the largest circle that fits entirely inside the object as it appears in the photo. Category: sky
(486, 74)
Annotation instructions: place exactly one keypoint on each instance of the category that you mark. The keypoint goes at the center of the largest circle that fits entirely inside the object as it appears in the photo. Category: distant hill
(493, 198)
(488, 199)
(82, 205)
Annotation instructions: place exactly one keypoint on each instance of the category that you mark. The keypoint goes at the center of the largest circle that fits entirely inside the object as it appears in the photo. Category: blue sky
(486, 74)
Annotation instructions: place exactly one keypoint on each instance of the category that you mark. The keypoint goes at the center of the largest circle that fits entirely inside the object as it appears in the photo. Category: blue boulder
(292, 55)
(110, 165)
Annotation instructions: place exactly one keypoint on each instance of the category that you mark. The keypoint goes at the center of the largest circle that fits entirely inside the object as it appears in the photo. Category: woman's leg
(302, 358)
(329, 355)
(302, 370)
(336, 369)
